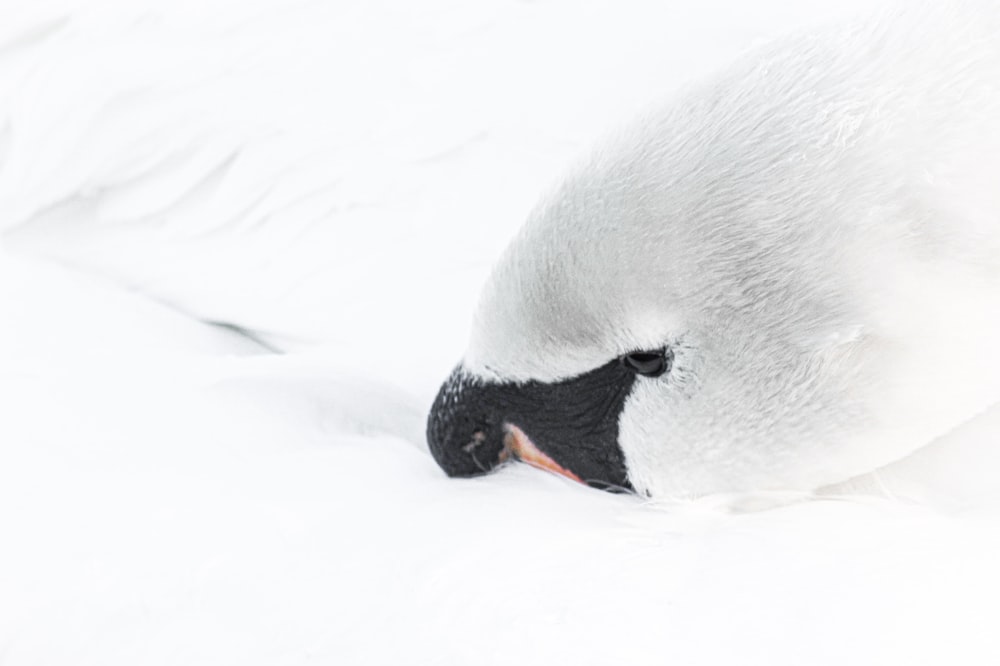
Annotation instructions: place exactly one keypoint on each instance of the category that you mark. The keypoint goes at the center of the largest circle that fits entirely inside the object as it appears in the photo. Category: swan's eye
(649, 363)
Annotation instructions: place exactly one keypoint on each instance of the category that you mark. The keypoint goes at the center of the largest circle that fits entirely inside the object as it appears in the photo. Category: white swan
(786, 277)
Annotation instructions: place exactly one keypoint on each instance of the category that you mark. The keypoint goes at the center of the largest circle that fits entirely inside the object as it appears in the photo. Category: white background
(337, 177)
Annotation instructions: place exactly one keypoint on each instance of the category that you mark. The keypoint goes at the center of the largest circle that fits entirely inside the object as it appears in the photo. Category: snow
(337, 178)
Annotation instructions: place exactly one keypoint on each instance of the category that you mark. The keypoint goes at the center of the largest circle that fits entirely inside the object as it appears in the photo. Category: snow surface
(335, 179)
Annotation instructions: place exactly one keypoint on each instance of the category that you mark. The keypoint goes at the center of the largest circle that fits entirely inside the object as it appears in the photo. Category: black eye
(649, 363)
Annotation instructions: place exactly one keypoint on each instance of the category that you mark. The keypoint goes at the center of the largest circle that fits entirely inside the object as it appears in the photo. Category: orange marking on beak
(518, 445)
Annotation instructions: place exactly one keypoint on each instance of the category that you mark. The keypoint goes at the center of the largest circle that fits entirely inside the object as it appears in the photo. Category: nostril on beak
(477, 439)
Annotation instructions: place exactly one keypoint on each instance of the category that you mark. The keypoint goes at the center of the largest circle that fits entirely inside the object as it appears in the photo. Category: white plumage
(815, 232)
(165, 498)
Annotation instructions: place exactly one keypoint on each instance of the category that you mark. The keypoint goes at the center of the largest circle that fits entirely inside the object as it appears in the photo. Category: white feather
(816, 233)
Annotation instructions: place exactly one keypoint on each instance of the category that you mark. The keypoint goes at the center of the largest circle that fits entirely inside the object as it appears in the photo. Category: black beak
(571, 425)
(464, 430)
